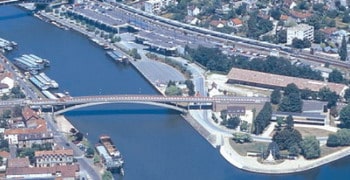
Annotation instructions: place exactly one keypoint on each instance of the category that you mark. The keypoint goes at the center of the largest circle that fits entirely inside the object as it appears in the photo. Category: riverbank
(262, 170)
(63, 124)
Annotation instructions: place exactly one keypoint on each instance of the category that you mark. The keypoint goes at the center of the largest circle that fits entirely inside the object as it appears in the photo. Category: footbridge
(179, 103)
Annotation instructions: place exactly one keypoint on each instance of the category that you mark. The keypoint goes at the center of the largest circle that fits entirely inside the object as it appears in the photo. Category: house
(193, 10)
(59, 157)
(224, 9)
(34, 132)
(300, 16)
(234, 22)
(289, 4)
(192, 20)
(19, 168)
(217, 23)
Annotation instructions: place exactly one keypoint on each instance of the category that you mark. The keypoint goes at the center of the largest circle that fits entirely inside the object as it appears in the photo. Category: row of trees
(292, 98)
(214, 60)
(262, 120)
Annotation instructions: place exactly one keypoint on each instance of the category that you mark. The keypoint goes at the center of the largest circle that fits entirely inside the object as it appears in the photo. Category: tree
(135, 54)
(301, 44)
(335, 76)
(291, 103)
(73, 131)
(275, 96)
(325, 94)
(282, 36)
(244, 126)
(347, 94)
(319, 37)
(310, 147)
(291, 88)
(6, 114)
(287, 138)
(190, 87)
(343, 51)
(274, 150)
(173, 91)
(242, 137)
(107, 175)
(263, 118)
(232, 122)
(346, 18)
(79, 136)
(344, 116)
(89, 152)
(332, 140)
(289, 122)
(275, 13)
(342, 138)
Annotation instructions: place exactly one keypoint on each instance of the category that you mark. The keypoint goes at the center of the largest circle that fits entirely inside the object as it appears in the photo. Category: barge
(110, 155)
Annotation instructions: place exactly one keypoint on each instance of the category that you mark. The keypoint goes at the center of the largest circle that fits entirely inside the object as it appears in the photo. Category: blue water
(156, 143)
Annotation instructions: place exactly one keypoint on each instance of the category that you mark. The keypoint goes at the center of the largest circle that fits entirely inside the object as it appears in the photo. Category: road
(60, 139)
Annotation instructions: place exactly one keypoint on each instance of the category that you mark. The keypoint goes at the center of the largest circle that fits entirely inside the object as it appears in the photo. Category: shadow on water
(120, 112)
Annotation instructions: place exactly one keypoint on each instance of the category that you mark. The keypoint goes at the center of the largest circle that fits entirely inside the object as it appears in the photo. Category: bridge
(8, 2)
(179, 103)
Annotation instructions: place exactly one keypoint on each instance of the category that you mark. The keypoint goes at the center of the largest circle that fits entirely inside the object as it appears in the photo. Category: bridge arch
(71, 108)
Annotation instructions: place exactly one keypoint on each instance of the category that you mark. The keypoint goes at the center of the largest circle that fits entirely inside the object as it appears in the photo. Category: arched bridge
(179, 103)
(8, 2)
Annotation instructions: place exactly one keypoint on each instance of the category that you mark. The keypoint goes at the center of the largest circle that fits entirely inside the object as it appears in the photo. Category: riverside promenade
(227, 151)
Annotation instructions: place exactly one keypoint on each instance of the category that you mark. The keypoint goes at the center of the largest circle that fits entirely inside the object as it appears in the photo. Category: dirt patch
(306, 131)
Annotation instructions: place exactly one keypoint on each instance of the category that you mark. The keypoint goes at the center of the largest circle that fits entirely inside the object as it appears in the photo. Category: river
(156, 143)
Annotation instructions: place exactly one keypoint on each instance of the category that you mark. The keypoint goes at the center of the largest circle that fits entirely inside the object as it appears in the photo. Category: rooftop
(68, 152)
(282, 81)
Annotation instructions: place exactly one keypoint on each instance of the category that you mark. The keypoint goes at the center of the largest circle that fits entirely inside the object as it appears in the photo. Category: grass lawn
(242, 149)
(329, 150)
(306, 131)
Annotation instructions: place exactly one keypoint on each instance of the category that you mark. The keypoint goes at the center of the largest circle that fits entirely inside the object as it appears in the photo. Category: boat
(110, 155)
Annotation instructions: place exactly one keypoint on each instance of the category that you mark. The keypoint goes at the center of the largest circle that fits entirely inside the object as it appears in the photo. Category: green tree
(89, 152)
(190, 87)
(289, 122)
(107, 175)
(263, 118)
(319, 37)
(291, 103)
(332, 140)
(291, 88)
(310, 147)
(282, 36)
(344, 116)
(335, 76)
(347, 94)
(244, 126)
(343, 51)
(6, 114)
(346, 18)
(275, 96)
(274, 150)
(294, 150)
(275, 13)
(173, 91)
(232, 122)
(287, 138)
(135, 54)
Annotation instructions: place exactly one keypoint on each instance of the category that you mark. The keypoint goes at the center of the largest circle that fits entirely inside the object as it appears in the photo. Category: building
(300, 31)
(272, 81)
(235, 22)
(193, 10)
(153, 6)
(34, 132)
(6, 83)
(60, 157)
(19, 168)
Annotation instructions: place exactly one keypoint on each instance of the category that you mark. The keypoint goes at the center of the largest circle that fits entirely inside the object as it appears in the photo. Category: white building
(300, 31)
(8, 85)
(153, 6)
